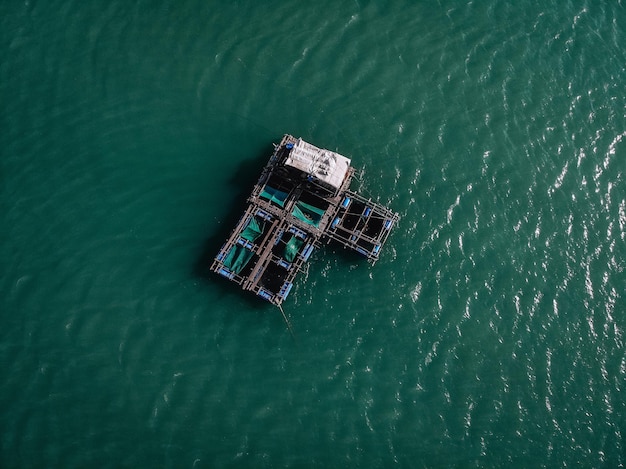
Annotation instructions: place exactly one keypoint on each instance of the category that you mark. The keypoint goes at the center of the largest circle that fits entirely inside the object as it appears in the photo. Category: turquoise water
(490, 333)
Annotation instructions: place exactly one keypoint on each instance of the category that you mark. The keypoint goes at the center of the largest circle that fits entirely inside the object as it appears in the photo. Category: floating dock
(301, 201)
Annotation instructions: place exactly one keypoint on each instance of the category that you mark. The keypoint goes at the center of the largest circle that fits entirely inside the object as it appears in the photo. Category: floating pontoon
(301, 201)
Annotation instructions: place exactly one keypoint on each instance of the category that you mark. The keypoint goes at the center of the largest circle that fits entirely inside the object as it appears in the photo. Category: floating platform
(301, 201)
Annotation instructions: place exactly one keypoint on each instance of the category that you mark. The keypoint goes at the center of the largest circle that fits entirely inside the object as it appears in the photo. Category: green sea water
(489, 334)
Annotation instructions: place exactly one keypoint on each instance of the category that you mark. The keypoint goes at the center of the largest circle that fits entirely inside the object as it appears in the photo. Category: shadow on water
(241, 181)
(240, 185)
(345, 256)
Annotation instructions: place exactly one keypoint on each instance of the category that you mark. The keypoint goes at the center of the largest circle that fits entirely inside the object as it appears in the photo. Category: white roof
(325, 165)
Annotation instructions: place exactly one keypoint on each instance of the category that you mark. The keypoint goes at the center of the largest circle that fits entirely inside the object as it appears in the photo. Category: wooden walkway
(291, 212)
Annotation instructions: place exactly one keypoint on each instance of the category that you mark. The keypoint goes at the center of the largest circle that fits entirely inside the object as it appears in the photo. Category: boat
(301, 201)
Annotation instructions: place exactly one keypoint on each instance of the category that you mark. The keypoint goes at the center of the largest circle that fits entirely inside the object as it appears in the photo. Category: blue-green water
(490, 333)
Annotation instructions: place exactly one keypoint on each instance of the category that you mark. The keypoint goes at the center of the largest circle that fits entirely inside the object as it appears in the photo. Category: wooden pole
(287, 322)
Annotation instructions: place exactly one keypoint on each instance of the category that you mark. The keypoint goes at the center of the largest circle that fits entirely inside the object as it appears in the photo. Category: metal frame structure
(293, 210)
